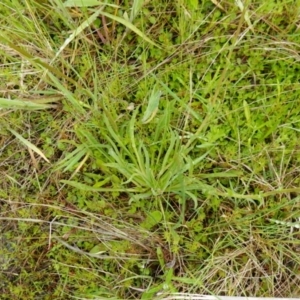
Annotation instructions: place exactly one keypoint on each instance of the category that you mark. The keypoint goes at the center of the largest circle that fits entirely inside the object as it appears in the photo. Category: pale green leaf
(88, 188)
(72, 159)
(288, 224)
(153, 218)
(136, 7)
(82, 3)
(160, 257)
(247, 112)
(130, 26)
(86, 3)
(152, 106)
(21, 104)
(245, 11)
(78, 31)
(228, 174)
(29, 145)
(98, 249)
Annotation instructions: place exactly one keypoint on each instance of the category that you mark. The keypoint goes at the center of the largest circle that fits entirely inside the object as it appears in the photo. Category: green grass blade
(133, 142)
(152, 106)
(87, 3)
(29, 145)
(35, 61)
(130, 26)
(78, 107)
(136, 7)
(78, 31)
(21, 104)
(72, 158)
(88, 188)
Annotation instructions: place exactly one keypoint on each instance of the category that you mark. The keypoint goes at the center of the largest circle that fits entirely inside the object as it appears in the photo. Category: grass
(149, 149)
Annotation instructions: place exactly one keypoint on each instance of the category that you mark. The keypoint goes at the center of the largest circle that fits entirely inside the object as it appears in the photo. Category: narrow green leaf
(86, 3)
(88, 188)
(247, 112)
(152, 106)
(78, 31)
(81, 3)
(29, 145)
(72, 158)
(149, 294)
(245, 12)
(21, 104)
(160, 257)
(35, 61)
(228, 174)
(288, 224)
(138, 155)
(136, 7)
(130, 26)
(193, 197)
(69, 95)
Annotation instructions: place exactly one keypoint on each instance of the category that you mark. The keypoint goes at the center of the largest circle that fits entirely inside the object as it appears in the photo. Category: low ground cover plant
(149, 148)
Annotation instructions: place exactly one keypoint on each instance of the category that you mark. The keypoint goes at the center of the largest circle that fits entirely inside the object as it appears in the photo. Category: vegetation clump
(149, 148)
